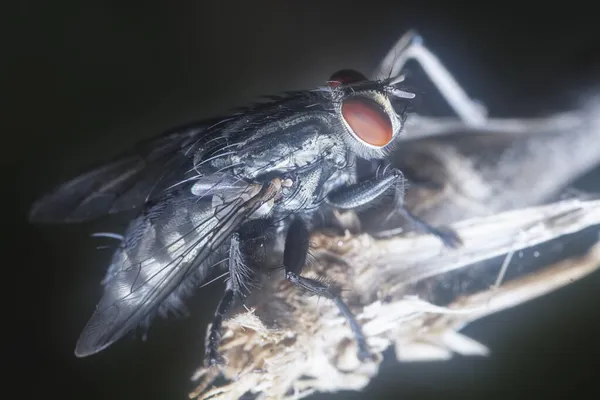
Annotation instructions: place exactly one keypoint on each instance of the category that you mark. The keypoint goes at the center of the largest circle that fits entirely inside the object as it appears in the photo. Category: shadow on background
(85, 81)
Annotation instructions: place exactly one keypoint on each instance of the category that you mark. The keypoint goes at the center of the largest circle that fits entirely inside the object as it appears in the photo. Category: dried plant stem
(289, 345)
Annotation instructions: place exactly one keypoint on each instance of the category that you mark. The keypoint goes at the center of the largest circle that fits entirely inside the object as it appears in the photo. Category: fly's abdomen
(172, 245)
(160, 259)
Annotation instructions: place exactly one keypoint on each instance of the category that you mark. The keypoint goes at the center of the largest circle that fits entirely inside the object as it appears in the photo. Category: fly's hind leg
(239, 276)
(213, 357)
(411, 47)
(294, 259)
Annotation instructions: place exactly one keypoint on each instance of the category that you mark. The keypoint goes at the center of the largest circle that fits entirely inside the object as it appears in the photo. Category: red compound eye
(368, 121)
(345, 77)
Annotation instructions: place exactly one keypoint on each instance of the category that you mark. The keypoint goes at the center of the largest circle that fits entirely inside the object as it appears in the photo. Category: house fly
(210, 195)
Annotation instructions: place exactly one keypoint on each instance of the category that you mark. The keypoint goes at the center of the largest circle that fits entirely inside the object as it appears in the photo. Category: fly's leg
(325, 290)
(213, 357)
(238, 277)
(294, 259)
(411, 47)
(446, 235)
(362, 193)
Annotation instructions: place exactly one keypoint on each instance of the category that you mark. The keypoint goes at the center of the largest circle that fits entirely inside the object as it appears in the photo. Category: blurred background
(83, 81)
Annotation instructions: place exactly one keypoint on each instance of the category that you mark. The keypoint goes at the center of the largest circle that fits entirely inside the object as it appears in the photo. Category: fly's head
(360, 122)
(369, 124)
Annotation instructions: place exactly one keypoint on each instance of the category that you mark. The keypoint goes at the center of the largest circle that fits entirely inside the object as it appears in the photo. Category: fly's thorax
(303, 190)
(293, 144)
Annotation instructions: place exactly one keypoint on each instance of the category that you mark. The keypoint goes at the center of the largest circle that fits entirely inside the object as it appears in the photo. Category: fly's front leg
(361, 194)
(294, 259)
(411, 47)
(446, 235)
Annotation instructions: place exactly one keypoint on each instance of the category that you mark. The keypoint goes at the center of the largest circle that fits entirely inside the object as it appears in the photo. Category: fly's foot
(448, 237)
(214, 358)
(364, 355)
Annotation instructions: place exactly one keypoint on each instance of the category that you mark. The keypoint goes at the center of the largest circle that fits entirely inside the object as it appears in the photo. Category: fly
(211, 195)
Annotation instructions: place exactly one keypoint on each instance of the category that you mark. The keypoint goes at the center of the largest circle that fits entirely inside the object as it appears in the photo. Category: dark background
(85, 81)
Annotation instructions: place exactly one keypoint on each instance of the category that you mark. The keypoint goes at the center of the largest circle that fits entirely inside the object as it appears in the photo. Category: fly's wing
(133, 179)
(162, 248)
(128, 182)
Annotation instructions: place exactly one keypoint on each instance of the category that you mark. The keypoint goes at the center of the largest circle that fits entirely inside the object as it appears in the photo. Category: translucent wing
(142, 175)
(169, 243)
(127, 182)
